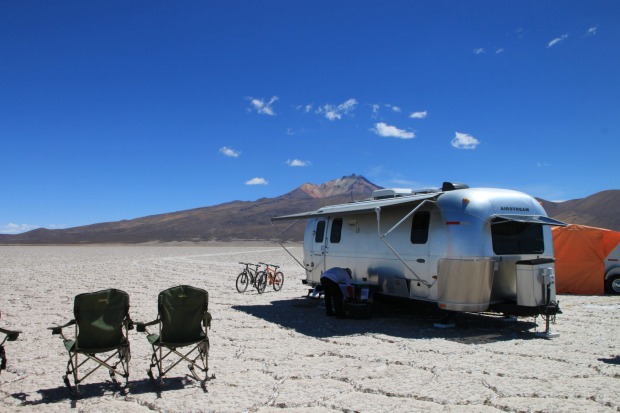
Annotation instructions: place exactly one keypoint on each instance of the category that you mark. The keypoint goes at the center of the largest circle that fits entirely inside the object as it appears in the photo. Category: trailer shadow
(404, 320)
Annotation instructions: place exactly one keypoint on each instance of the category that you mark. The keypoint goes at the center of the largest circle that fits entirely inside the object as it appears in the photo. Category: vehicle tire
(242, 282)
(278, 281)
(613, 284)
(261, 282)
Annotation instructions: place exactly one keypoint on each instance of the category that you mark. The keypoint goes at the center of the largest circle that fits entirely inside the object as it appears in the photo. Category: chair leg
(201, 361)
(122, 368)
(72, 370)
(156, 362)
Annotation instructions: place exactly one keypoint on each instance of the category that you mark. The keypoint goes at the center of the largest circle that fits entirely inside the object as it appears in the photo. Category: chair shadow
(612, 360)
(415, 320)
(93, 390)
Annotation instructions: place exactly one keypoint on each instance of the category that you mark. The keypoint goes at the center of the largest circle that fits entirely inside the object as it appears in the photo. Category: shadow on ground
(401, 319)
(611, 360)
(95, 390)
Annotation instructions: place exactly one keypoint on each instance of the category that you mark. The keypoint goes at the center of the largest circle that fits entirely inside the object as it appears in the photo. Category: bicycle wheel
(242, 282)
(278, 281)
(261, 282)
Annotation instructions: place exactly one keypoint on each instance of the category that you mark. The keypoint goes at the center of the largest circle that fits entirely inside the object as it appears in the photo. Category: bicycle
(248, 276)
(269, 274)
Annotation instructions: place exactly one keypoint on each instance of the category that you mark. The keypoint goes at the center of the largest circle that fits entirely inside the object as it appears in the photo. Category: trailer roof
(358, 206)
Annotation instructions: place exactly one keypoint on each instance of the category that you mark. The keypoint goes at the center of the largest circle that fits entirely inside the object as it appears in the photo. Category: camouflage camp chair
(182, 321)
(101, 325)
(9, 335)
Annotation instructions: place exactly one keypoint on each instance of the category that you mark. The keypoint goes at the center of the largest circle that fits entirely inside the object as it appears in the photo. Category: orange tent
(580, 253)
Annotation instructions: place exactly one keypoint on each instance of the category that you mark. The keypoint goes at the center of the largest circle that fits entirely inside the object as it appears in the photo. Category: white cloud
(591, 31)
(557, 40)
(304, 108)
(499, 50)
(419, 115)
(12, 228)
(520, 32)
(332, 112)
(464, 141)
(229, 152)
(375, 110)
(479, 50)
(262, 107)
(257, 181)
(389, 131)
(297, 162)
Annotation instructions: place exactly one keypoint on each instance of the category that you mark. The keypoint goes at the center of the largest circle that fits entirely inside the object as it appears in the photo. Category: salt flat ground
(277, 351)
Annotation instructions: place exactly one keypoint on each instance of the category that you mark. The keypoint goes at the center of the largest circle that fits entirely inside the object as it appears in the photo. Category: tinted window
(511, 238)
(336, 232)
(419, 227)
(319, 233)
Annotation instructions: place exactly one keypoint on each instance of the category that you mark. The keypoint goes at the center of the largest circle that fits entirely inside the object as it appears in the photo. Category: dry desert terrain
(278, 352)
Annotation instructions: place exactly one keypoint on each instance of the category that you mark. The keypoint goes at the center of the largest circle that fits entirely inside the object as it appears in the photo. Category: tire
(278, 281)
(261, 282)
(242, 282)
(613, 284)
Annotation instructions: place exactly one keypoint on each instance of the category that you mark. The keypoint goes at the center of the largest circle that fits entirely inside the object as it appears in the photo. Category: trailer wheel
(613, 284)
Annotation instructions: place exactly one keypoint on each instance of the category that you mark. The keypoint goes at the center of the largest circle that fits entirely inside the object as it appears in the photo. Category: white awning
(358, 207)
(531, 219)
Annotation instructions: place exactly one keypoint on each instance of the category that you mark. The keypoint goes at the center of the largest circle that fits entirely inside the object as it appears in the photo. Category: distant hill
(251, 220)
(599, 210)
(237, 220)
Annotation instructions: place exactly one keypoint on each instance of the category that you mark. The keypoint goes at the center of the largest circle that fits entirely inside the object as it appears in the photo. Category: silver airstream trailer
(467, 249)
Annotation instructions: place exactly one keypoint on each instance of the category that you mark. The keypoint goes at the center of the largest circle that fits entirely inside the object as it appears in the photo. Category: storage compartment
(464, 285)
(534, 278)
(364, 293)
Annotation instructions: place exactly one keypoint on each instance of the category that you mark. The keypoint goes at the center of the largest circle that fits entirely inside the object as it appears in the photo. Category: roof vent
(451, 186)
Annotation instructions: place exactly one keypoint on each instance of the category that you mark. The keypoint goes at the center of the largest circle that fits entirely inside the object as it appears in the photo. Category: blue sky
(114, 110)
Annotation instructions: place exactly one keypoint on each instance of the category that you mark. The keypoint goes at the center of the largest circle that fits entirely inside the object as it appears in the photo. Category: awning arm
(282, 242)
(383, 236)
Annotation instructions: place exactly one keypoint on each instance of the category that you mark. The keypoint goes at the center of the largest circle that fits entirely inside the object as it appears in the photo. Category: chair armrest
(141, 327)
(11, 335)
(58, 329)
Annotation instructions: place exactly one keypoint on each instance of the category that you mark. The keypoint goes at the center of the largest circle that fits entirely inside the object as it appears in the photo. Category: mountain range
(251, 220)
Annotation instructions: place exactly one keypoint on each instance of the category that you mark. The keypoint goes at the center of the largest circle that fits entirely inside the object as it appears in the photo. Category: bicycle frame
(250, 275)
(271, 274)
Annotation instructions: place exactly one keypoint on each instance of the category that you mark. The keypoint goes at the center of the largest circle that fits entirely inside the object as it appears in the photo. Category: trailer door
(419, 250)
(315, 265)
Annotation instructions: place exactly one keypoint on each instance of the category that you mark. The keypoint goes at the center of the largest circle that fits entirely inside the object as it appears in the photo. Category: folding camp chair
(182, 320)
(9, 335)
(101, 326)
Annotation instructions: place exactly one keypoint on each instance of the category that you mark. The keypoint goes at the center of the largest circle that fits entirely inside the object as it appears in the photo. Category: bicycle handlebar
(269, 265)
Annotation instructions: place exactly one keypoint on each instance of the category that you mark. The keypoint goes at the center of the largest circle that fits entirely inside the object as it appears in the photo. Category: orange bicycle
(269, 275)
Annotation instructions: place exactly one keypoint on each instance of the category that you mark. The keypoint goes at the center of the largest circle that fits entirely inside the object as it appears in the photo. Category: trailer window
(419, 227)
(511, 238)
(336, 232)
(319, 233)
